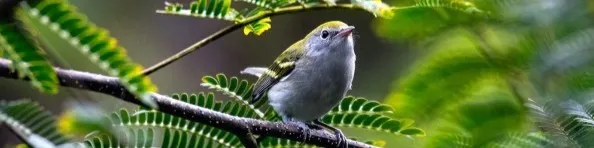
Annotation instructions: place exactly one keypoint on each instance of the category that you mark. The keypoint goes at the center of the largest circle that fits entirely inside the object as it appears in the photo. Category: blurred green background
(476, 73)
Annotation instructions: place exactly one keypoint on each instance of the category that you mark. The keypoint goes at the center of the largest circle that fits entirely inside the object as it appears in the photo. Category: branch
(236, 125)
(231, 28)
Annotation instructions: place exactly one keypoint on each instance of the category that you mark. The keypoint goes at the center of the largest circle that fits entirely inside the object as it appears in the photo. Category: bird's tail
(255, 98)
(254, 71)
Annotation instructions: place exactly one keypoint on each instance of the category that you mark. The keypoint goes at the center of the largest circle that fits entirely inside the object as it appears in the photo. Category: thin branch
(231, 28)
(236, 125)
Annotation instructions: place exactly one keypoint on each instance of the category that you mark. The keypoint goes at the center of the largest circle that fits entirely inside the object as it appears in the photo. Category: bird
(309, 78)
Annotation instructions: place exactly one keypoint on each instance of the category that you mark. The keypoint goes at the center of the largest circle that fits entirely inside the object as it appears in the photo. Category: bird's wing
(280, 68)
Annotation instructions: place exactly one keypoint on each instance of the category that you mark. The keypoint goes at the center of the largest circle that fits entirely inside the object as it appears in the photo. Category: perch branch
(237, 125)
(231, 28)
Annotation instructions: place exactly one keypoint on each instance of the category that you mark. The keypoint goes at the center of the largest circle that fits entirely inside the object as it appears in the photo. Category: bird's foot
(340, 139)
(303, 128)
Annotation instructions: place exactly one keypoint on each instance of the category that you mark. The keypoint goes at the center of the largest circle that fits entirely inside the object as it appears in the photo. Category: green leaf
(31, 122)
(261, 3)
(272, 142)
(128, 138)
(372, 122)
(27, 57)
(239, 90)
(413, 132)
(271, 4)
(213, 9)
(436, 16)
(522, 140)
(155, 119)
(550, 118)
(376, 7)
(460, 5)
(94, 42)
(258, 27)
(352, 104)
(447, 75)
(508, 140)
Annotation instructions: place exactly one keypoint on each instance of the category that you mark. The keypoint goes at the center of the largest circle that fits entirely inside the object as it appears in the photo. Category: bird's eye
(325, 34)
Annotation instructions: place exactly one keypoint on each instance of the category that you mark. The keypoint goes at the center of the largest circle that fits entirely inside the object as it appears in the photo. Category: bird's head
(328, 37)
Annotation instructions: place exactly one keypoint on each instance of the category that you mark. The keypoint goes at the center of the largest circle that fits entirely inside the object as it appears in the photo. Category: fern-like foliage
(271, 142)
(31, 122)
(233, 87)
(216, 9)
(567, 123)
(27, 57)
(509, 140)
(373, 122)
(185, 128)
(583, 113)
(375, 7)
(128, 138)
(177, 138)
(277, 142)
(460, 5)
(522, 140)
(444, 76)
(550, 118)
(357, 105)
(362, 113)
(95, 42)
(578, 121)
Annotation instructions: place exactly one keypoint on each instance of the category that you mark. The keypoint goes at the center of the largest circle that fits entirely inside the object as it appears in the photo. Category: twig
(231, 28)
(236, 125)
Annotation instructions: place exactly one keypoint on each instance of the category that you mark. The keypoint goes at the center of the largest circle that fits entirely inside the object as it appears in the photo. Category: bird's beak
(346, 31)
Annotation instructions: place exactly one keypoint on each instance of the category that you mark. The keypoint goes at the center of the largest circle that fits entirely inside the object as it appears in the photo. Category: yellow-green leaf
(376, 7)
(258, 27)
(94, 42)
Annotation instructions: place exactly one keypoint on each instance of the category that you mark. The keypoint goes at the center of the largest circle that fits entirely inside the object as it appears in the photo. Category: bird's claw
(341, 139)
(306, 133)
(303, 129)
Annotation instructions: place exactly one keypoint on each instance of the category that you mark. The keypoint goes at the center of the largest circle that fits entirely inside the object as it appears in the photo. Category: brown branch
(236, 125)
